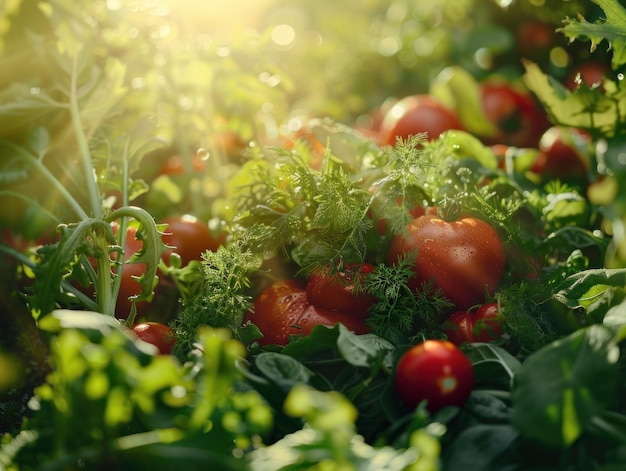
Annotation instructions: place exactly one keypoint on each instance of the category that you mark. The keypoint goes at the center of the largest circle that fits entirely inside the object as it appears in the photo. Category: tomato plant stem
(85, 154)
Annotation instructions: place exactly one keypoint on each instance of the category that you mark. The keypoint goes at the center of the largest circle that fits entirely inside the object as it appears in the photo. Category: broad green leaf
(467, 146)
(595, 290)
(492, 362)
(485, 447)
(560, 388)
(321, 339)
(361, 350)
(456, 87)
(72, 319)
(283, 370)
(594, 111)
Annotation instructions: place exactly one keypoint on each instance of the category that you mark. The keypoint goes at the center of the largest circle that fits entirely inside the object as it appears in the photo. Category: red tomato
(589, 73)
(282, 310)
(487, 323)
(534, 39)
(437, 372)
(482, 325)
(337, 292)
(417, 114)
(190, 237)
(458, 327)
(520, 121)
(157, 334)
(175, 164)
(464, 258)
(563, 154)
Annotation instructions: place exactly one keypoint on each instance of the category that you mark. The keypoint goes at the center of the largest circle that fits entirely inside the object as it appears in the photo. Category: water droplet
(203, 154)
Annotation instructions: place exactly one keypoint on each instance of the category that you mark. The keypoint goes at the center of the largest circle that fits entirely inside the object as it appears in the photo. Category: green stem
(83, 145)
(50, 177)
(105, 297)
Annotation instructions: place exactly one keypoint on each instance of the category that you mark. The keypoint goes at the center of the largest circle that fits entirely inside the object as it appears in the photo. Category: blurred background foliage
(231, 78)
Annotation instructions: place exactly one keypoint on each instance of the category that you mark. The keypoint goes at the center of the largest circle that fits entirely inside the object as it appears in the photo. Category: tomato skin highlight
(282, 310)
(458, 328)
(157, 334)
(563, 154)
(435, 371)
(417, 114)
(487, 323)
(463, 258)
(337, 292)
(482, 325)
(190, 238)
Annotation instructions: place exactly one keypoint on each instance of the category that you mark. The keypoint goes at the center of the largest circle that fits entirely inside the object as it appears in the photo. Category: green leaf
(485, 447)
(70, 319)
(58, 260)
(456, 87)
(361, 350)
(594, 290)
(492, 363)
(612, 29)
(283, 370)
(600, 113)
(560, 388)
(321, 339)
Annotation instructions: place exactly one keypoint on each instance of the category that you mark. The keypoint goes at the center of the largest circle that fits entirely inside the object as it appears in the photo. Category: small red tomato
(190, 238)
(563, 153)
(175, 164)
(535, 39)
(482, 325)
(435, 371)
(519, 120)
(458, 327)
(337, 292)
(157, 334)
(282, 310)
(417, 114)
(463, 258)
(589, 73)
(487, 324)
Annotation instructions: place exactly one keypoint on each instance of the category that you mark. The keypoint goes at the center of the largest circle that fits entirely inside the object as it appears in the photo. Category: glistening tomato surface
(190, 237)
(337, 292)
(435, 371)
(563, 154)
(157, 334)
(463, 258)
(417, 114)
(282, 310)
(482, 325)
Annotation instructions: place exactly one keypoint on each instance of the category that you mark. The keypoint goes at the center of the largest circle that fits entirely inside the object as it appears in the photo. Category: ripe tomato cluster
(517, 120)
(293, 307)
